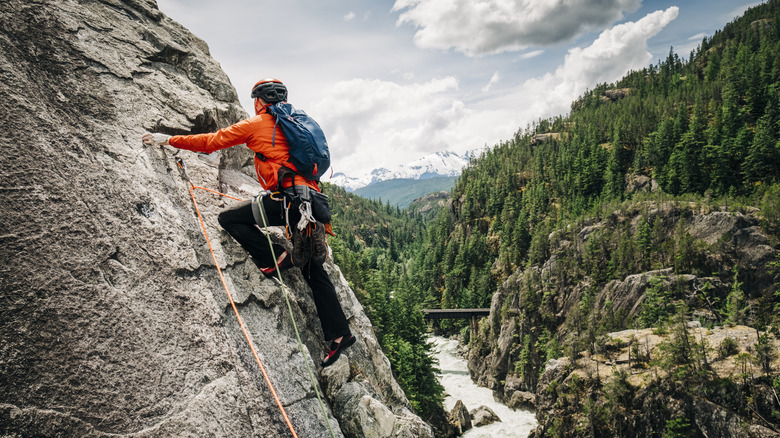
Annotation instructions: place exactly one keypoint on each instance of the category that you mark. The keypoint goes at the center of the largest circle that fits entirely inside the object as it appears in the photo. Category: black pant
(239, 222)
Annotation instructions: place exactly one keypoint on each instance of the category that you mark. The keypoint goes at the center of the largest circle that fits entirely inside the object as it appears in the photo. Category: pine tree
(736, 310)
(763, 158)
(644, 243)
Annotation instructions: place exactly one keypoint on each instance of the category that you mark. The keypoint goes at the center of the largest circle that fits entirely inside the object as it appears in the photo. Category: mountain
(431, 204)
(439, 164)
(402, 191)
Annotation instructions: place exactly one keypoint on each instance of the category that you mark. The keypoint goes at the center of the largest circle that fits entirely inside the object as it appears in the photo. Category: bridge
(454, 313)
(473, 314)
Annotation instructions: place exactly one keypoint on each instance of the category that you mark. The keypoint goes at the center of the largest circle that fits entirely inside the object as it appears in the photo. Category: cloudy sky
(391, 81)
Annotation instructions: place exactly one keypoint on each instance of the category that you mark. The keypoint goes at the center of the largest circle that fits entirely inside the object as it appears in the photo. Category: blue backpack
(308, 147)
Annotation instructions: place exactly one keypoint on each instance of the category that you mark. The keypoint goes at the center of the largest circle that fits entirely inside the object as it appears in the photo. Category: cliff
(590, 338)
(617, 392)
(113, 320)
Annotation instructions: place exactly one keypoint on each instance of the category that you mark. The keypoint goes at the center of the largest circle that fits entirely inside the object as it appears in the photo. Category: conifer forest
(578, 202)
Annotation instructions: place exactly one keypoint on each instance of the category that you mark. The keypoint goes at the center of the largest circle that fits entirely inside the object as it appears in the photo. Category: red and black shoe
(285, 263)
(336, 348)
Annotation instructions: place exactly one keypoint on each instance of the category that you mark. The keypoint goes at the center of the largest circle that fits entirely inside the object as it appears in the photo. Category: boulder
(617, 93)
(460, 417)
(540, 138)
(514, 396)
(483, 415)
(522, 400)
(640, 183)
(365, 415)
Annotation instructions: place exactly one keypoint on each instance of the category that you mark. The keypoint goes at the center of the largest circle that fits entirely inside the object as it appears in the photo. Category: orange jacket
(258, 134)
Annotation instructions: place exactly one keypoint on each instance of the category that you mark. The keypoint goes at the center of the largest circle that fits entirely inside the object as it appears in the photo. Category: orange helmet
(270, 90)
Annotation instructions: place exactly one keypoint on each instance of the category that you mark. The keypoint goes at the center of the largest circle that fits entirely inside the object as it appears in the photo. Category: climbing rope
(292, 318)
(182, 166)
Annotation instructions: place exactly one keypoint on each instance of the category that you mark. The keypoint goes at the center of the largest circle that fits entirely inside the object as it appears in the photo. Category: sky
(392, 81)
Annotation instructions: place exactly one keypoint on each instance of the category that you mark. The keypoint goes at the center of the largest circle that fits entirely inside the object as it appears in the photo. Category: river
(459, 386)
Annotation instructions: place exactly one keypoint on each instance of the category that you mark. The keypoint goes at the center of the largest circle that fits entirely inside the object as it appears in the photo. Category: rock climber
(272, 153)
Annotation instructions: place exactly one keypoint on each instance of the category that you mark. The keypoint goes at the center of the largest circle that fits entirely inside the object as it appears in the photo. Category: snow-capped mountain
(429, 166)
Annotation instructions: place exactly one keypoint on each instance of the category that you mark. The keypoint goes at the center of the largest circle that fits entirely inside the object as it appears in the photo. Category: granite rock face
(113, 320)
(550, 300)
(732, 239)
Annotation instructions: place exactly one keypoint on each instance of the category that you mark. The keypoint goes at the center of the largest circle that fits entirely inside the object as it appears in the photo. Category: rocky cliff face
(558, 307)
(626, 397)
(113, 320)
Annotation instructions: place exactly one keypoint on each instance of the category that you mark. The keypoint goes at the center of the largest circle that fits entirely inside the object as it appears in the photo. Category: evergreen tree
(763, 157)
(736, 311)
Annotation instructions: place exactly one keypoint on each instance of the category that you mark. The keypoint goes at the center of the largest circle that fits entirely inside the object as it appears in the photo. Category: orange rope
(232, 303)
(214, 191)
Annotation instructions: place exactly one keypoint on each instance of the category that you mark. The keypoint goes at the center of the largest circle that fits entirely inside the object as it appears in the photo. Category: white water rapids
(459, 386)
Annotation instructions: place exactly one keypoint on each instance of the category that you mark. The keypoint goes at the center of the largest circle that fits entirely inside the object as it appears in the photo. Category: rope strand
(295, 326)
(181, 164)
(235, 309)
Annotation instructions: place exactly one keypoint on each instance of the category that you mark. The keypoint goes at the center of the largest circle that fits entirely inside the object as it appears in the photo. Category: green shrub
(728, 347)
(677, 427)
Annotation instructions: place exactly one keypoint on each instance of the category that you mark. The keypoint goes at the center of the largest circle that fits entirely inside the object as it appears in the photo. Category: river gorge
(458, 385)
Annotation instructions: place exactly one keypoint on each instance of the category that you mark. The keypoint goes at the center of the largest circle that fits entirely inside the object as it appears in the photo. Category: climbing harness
(183, 167)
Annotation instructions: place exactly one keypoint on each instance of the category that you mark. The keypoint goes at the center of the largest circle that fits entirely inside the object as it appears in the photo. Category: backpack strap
(283, 173)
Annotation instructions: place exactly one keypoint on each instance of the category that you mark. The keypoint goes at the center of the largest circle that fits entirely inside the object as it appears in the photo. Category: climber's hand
(152, 139)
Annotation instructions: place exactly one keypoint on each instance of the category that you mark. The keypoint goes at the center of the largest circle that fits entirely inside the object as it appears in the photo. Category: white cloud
(494, 26)
(350, 16)
(697, 37)
(374, 123)
(493, 80)
(532, 54)
(371, 123)
(613, 54)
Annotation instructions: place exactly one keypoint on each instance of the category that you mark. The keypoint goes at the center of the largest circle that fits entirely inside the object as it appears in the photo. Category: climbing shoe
(336, 348)
(319, 243)
(284, 262)
(301, 252)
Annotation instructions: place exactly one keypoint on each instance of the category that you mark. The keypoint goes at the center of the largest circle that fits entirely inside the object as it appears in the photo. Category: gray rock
(522, 400)
(539, 138)
(335, 376)
(113, 319)
(460, 417)
(617, 93)
(363, 415)
(483, 415)
(640, 183)
(410, 426)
